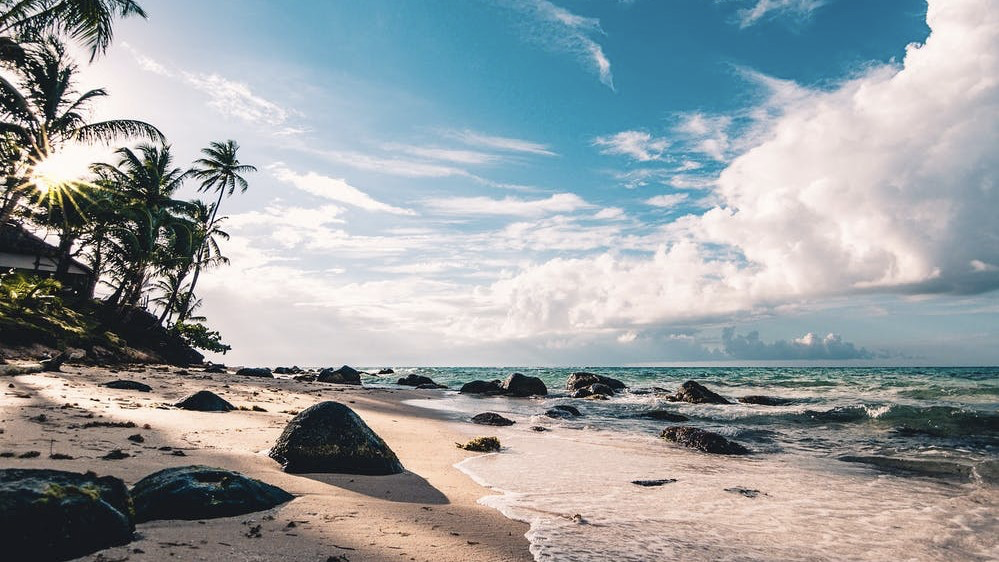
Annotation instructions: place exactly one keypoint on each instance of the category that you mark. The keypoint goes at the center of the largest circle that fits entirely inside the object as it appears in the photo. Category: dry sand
(428, 513)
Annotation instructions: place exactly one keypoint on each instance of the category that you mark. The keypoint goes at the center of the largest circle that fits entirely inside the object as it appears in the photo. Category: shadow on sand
(407, 487)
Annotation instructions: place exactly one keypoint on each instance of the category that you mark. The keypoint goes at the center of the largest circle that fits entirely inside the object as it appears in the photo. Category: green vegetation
(123, 220)
(481, 445)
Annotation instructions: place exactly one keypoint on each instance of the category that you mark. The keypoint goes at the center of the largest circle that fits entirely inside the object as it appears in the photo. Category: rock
(415, 380)
(695, 393)
(56, 515)
(583, 379)
(262, 372)
(706, 441)
(136, 438)
(53, 364)
(596, 397)
(523, 385)
(385, 371)
(202, 492)
(431, 386)
(128, 385)
(116, 455)
(308, 377)
(343, 375)
(481, 445)
(744, 492)
(482, 387)
(205, 401)
(663, 415)
(652, 483)
(215, 368)
(490, 418)
(562, 411)
(765, 400)
(538, 428)
(330, 437)
(596, 388)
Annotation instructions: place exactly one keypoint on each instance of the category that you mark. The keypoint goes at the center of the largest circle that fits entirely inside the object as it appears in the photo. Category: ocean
(856, 464)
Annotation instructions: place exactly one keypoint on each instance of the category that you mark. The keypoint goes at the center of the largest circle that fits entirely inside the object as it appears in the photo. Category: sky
(588, 182)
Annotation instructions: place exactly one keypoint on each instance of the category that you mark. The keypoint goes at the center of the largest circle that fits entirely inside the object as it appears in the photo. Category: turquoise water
(926, 486)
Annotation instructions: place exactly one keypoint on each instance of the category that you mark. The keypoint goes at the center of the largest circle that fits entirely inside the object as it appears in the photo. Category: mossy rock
(330, 437)
(57, 515)
(202, 492)
(481, 445)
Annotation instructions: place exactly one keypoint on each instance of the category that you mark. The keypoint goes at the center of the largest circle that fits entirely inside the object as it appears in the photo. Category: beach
(430, 512)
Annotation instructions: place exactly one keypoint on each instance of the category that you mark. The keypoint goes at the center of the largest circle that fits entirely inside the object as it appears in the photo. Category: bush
(199, 336)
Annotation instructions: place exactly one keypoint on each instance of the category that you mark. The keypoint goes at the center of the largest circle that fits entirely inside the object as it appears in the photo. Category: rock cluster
(517, 384)
(585, 385)
(695, 393)
(343, 375)
(261, 372)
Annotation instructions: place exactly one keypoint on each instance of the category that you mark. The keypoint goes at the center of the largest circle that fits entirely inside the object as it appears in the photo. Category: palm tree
(205, 243)
(152, 233)
(220, 170)
(46, 113)
(87, 21)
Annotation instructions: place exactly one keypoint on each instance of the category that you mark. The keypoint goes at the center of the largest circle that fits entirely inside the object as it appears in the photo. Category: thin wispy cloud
(561, 30)
(667, 201)
(334, 189)
(458, 156)
(762, 10)
(510, 206)
(507, 144)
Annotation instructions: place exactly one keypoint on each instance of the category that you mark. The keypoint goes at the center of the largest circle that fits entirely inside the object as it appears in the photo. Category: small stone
(653, 483)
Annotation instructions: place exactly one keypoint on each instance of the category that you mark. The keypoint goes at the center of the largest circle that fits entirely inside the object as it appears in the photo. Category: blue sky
(525, 182)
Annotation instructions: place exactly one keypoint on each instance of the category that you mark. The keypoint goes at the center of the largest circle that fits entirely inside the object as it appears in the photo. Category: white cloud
(512, 206)
(559, 29)
(610, 214)
(706, 134)
(639, 145)
(470, 157)
(390, 165)
(667, 201)
(334, 189)
(764, 9)
(501, 143)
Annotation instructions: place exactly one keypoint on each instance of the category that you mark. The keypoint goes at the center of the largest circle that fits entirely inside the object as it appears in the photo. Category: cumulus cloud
(885, 182)
(561, 30)
(334, 189)
(639, 145)
(807, 347)
(512, 206)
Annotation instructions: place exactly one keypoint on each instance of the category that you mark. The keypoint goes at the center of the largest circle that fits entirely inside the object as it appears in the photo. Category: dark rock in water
(663, 415)
(596, 388)
(562, 411)
(744, 492)
(415, 380)
(482, 387)
(343, 375)
(765, 400)
(56, 515)
(695, 393)
(651, 483)
(385, 372)
(262, 372)
(431, 386)
(215, 368)
(490, 418)
(518, 384)
(128, 385)
(308, 377)
(330, 437)
(205, 401)
(583, 379)
(202, 492)
(932, 468)
(706, 441)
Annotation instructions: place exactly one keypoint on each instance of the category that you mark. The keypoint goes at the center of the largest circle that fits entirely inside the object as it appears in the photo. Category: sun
(58, 170)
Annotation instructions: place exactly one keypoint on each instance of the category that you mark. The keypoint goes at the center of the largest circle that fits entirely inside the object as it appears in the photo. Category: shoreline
(430, 512)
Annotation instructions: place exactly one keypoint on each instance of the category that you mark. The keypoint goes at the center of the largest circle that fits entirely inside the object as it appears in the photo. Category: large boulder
(580, 380)
(695, 393)
(56, 515)
(415, 380)
(261, 372)
(330, 437)
(343, 375)
(491, 418)
(518, 384)
(128, 385)
(482, 387)
(202, 492)
(702, 440)
(205, 401)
